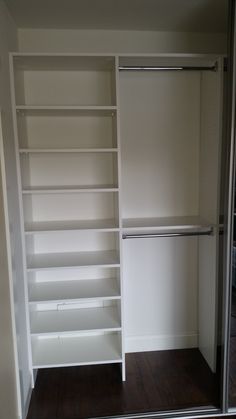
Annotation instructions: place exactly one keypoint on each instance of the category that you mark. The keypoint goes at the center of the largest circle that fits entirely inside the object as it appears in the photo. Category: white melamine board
(60, 129)
(162, 224)
(103, 288)
(57, 226)
(80, 320)
(211, 117)
(76, 351)
(160, 287)
(68, 87)
(166, 60)
(207, 296)
(70, 260)
(70, 189)
(60, 207)
(67, 169)
(211, 92)
(67, 150)
(160, 130)
(66, 109)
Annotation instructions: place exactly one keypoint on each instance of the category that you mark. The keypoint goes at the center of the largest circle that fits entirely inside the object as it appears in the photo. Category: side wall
(14, 278)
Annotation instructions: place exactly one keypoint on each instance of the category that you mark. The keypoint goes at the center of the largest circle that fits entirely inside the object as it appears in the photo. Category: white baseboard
(160, 342)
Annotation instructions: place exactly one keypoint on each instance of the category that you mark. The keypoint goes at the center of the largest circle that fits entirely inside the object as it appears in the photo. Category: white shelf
(166, 224)
(64, 291)
(109, 225)
(69, 189)
(71, 351)
(91, 111)
(79, 320)
(67, 150)
(49, 261)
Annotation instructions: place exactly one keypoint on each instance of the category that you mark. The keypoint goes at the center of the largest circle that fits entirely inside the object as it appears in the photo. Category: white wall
(9, 404)
(8, 42)
(43, 40)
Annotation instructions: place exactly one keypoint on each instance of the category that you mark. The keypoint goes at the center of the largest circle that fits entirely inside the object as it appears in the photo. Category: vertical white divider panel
(25, 285)
(119, 209)
(210, 150)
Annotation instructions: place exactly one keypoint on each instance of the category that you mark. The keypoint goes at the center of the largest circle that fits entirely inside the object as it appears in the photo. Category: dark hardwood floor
(160, 380)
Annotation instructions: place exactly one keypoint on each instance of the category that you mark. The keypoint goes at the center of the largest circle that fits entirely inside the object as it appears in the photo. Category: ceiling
(162, 15)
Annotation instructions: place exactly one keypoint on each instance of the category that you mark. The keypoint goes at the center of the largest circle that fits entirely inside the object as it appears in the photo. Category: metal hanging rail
(167, 68)
(207, 232)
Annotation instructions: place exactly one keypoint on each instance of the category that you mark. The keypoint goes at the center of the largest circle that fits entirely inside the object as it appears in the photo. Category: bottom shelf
(79, 350)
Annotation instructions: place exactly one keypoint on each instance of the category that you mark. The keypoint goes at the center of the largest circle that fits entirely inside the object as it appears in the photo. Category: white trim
(160, 342)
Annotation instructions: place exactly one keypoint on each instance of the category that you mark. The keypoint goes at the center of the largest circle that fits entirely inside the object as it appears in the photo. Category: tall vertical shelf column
(66, 120)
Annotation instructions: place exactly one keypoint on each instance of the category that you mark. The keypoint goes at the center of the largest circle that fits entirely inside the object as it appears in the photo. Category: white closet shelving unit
(78, 123)
(66, 120)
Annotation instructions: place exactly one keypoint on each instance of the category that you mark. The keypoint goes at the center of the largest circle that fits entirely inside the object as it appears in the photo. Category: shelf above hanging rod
(167, 68)
(208, 232)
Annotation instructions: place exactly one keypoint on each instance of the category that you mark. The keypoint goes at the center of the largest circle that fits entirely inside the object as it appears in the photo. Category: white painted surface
(8, 41)
(84, 350)
(147, 343)
(111, 14)
(165, 176)
(10, 390)
(161, 303)
(113, 41)
(160, 128)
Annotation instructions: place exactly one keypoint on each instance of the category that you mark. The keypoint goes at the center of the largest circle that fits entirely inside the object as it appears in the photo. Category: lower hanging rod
(208, 232)
(167, 68)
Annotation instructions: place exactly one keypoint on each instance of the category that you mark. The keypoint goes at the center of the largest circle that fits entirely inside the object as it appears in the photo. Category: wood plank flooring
(156, 381)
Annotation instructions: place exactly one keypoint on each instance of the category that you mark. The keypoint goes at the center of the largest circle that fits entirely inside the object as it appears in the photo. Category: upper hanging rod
(207, 232)
(167, 68)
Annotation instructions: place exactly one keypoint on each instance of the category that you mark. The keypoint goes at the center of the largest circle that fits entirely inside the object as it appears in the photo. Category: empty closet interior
(118, 166)
(120, 204)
